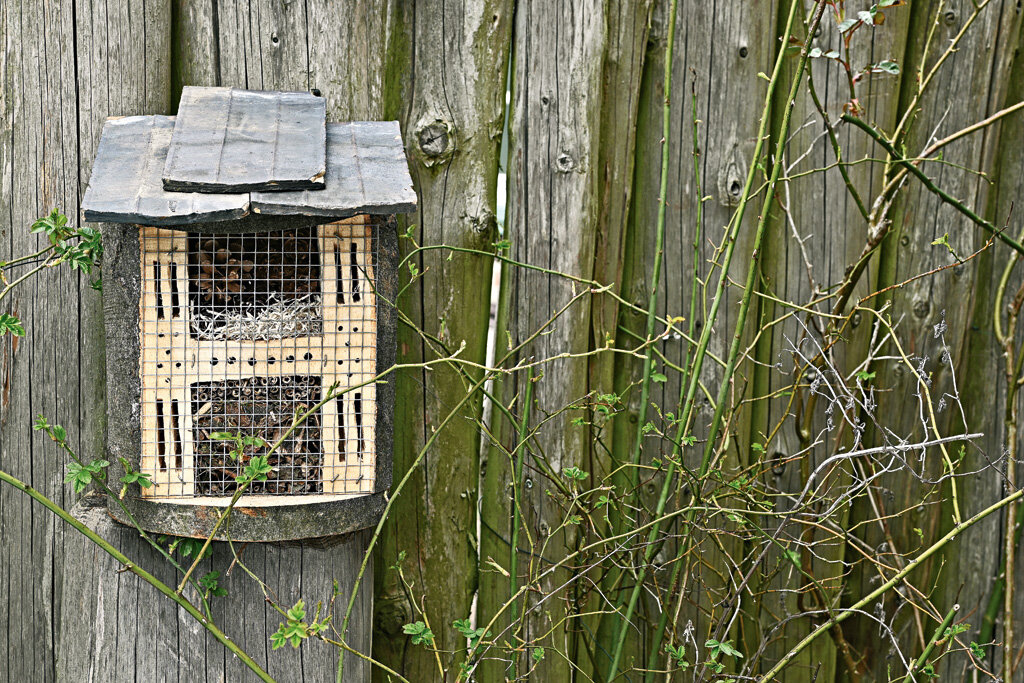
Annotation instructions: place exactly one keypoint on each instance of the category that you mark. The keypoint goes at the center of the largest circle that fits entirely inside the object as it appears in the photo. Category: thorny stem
(936, 637)
(659, 242)
(520, 457)
(737, 221)
(138, 571)
(1011, 373)
(897, 158)
(888, 585)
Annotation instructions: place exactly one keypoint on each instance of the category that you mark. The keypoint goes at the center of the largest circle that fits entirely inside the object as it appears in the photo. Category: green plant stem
(659, 245)
(897, 158)
(138, 571)
(659, 632)
(937, 636)
(524, 435)
(888, 585)
(735, 224)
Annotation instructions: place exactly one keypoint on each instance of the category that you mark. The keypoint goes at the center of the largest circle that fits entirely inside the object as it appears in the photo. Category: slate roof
(365, 172)
(231, 140)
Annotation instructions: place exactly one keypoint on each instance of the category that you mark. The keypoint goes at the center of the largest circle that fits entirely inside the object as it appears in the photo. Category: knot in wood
(922, 308)
(483, 224)
(730, 180)
(435, 142)
(392, 611)
(565, 163)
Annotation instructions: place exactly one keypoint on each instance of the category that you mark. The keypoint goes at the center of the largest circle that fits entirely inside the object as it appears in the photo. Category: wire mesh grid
(239, 333)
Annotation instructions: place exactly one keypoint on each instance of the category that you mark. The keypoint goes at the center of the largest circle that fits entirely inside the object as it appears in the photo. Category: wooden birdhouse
(250, 256)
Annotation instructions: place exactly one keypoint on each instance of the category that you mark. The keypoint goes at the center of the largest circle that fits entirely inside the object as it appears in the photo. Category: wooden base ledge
(119, 628)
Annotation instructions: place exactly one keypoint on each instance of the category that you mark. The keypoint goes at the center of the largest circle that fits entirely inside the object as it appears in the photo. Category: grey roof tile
(366, 173)
(125, 186)
(232, 140)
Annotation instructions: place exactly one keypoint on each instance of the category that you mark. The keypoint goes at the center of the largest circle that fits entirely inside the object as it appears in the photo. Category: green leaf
(210, 582)
(889, 67)
(846, 24)
(574, 473)
(420, 633)
(864, 375)
(297, 612)
(726, 647)
(658, 377)
(9, 324)
(538, 654)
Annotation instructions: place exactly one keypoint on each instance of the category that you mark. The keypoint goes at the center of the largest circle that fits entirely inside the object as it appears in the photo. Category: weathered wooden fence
(584, 148)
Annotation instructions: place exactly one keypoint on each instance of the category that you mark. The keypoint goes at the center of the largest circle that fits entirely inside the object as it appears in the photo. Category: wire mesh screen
(242, 333)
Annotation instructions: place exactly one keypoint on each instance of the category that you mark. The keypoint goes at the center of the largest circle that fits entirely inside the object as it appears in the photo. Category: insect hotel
(250, 267)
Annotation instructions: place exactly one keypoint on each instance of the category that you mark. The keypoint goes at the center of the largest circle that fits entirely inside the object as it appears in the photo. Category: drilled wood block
(243, 377)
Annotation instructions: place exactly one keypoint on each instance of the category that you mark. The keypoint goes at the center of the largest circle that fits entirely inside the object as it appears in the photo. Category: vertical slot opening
(174, 290)
(341, 430)
(339, 278)
(355, 272)
(357, 408)
(159, 294)
(160, 446)
(177, 434)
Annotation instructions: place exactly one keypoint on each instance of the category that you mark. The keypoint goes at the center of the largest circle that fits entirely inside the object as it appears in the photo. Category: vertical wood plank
(65, 66)
(815, 232)
(978, 74)
(554, 178)
(718, 53)
(256, 45)
(130, 635)
(445, 83)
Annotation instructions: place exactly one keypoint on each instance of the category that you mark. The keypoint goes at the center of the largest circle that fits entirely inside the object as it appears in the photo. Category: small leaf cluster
(186, 547)
(258, 466)
(296, 629)
(10, 324)
(79, 247)
(716, 649)
(210, 584)
(80, 475)
(473, 635)
(678, 655)
(421, 634)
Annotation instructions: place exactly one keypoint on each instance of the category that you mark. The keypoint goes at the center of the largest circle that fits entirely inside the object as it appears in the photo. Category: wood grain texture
(553, 207)
(718, 55)
(235, 140)
(446, 83)
(64, 67)
(816, 232)
(977, 73)
(296, 572)
(127, 631)
(982, 356)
